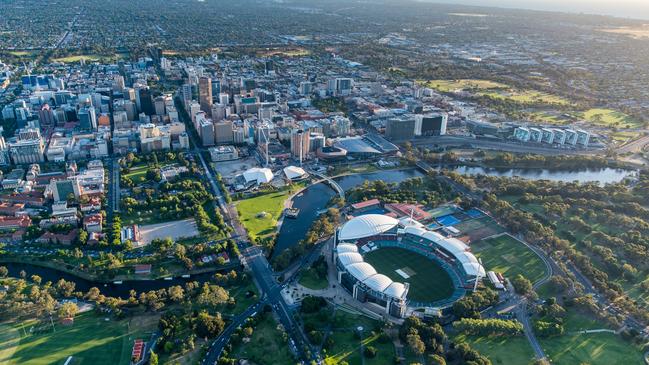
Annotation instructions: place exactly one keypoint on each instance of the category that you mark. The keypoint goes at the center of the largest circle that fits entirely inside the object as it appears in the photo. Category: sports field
(510, 257)
(89, 340)
(479, 228)
(429, 282)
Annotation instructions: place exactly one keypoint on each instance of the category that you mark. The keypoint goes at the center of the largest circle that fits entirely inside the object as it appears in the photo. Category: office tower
(87, 118)
(340, 86)
(224, 99)
(305, 88)
(400, 129)
(145, 101)
(46, 116)
(223, 132)
(205, 130)
(205, 94)
(159, 106)
(299, 144)
(28, 147)
(316, 140)
(430, 124)
(216, 88)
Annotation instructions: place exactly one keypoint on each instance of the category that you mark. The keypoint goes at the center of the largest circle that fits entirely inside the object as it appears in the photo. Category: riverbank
(70, 270)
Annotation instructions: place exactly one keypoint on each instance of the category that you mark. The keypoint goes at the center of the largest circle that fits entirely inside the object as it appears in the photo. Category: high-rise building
(223, 132)
(300, 144)
(430, 124)
(159, 106)
(400, 129)
(145, 101)
(205, 130)
(28, 147)
(216, 88)
(316, 140)
(340, 86)
(205, 94)
(87, 118)
(46, 116)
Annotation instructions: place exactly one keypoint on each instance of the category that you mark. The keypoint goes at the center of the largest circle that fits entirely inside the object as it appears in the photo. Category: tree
(212, 295)
(153, 359)
(83, 237)
(68, 310)
(4, 271)
(522, 285)
(208, 325)
(416, 344)
(436, 359)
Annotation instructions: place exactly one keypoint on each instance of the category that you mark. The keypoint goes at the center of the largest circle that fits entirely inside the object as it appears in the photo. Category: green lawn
(90, 340)
(267, 345)
(429, 282)
(463, 84)
(88, 58)
(260, 214)
(311, 280)
(501, 350)
(137, 174)
(510, 257)
(610, 118)
(593, 348)
(347, 347)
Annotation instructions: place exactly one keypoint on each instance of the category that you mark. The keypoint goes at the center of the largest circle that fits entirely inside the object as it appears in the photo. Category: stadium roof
(349, 258)
(346, 247)
(366, 226)
(396, 290)
(378, 282)
(361, 270)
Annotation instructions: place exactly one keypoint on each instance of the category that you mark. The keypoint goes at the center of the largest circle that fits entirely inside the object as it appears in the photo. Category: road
(635, 146)
(500, 146)
(220, 342)
(523, 317)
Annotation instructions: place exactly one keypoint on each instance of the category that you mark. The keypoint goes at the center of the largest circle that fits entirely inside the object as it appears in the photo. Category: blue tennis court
(433, 226)
(448, 220)
(474, 213)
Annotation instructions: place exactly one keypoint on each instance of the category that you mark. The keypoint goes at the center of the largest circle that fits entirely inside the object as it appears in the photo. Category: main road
(253, 258)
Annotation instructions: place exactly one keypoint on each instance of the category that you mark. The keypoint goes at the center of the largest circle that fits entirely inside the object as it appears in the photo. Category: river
(315, 197)
(602, 176)
(108, 289)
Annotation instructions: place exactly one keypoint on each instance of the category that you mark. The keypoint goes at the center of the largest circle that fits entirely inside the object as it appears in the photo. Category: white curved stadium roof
(366, 226)
(349, 258)
(361, 270)
(378, 282)
(395, 290)
(346, 247)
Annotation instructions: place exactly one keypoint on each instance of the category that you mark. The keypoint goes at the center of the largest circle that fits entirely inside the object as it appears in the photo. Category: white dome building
(366, 226)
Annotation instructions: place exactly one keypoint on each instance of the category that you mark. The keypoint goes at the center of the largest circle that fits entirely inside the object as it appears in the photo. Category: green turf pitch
(430, 281)
(510, 257)
(90, 340)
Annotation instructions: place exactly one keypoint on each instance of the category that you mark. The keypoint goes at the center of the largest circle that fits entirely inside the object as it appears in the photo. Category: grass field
(429, 283)
(347, 348)
(593, 348)
(526, 96)
(501, 350)
(510, 257)
(88, 58)
(137, 174)
(464, 84)
(272, 204)
(610, 118)
(90, 340)
(266, 346)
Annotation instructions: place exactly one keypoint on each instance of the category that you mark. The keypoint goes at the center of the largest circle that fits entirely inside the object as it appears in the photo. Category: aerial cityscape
(335, 182)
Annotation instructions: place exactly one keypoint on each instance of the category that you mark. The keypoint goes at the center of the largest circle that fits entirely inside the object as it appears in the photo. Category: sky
(638, 9)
